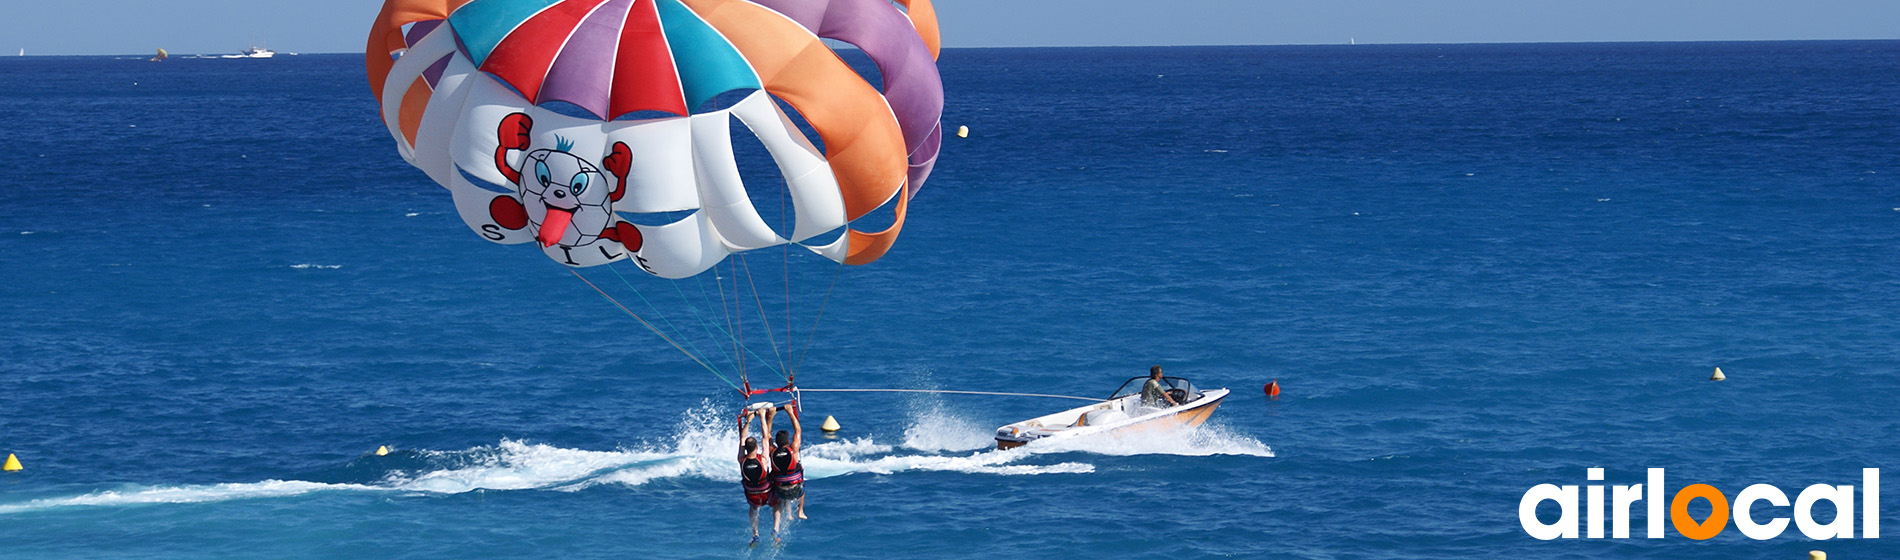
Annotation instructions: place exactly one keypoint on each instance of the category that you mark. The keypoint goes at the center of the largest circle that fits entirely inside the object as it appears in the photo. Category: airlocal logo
(1622, 496)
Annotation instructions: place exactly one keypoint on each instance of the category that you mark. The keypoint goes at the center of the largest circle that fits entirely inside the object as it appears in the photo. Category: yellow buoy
(830, 425)
(382, 450)
(963, 132)
(1718, 375)
(1817, 555)
(13, 464)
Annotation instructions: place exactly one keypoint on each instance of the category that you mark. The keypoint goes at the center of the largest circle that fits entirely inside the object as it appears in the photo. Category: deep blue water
(1474, 269)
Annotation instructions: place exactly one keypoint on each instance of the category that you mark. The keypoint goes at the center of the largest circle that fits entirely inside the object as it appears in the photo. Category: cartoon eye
(541, 173)
(579, 185)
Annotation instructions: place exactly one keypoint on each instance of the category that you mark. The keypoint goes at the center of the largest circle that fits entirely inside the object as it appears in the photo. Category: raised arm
(798, 432)
(743, 428)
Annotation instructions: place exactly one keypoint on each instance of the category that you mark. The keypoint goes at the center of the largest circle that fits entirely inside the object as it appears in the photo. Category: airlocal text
(1651, 494)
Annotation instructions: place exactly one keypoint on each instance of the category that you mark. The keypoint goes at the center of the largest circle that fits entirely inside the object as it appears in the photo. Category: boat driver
(1153, 393)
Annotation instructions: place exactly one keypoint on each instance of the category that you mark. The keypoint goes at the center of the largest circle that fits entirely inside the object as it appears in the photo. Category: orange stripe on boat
(414, 102)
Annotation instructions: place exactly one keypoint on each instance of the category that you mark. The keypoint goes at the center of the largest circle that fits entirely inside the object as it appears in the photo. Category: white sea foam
(1201, 441)
(305, 266)
(656, 470)
(933, 428)
(702, 446)
(190, 494)
(847, 450)
(996, 462)
(514, 465)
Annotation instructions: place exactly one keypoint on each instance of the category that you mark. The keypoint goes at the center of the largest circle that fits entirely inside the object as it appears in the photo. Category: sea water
(1472, 269)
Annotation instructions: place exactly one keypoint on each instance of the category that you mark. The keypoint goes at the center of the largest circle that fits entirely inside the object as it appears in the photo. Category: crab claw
(554, 225)
(512, 135)
(513, 132)
(617, 163)
(625, 234)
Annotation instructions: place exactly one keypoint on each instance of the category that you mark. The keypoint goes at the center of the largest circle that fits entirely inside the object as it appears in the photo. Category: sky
(224, 26)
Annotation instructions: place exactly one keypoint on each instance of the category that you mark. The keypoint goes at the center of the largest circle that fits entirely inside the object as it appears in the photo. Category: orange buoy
(1273, 389)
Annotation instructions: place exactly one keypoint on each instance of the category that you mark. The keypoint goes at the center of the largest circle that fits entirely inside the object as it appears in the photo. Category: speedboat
(1121, 414)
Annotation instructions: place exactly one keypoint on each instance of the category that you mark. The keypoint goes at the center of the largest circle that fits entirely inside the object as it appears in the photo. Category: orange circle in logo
(1708, 528)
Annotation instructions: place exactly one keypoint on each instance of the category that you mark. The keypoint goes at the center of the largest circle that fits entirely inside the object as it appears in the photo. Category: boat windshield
(1134, 384)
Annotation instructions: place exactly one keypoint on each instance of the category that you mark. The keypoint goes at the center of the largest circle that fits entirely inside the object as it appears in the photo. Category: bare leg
(801, 507)
(755, 522)
(777, 513)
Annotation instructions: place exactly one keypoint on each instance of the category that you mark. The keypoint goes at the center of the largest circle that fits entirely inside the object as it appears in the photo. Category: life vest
(785, 468)
(752, 475)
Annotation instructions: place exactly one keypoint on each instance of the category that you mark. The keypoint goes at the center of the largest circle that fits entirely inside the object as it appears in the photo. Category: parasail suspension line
(649, 326)
(700, 282)
(763, 318)
(708, 325)
(737, 321)
(704, 324)
(814, 321)
(656, 309)
(785, 263)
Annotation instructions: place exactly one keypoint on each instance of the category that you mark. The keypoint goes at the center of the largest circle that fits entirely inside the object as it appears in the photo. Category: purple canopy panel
(434, 72)
(912, 85)
(419, 30)
(923, 160)
(576, 76)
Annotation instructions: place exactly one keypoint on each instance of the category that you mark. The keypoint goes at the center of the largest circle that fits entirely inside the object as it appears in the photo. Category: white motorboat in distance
(1120, 415)
(253, 52)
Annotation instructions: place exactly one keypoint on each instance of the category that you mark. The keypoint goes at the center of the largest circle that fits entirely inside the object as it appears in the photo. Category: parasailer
(754, 476)
(602, 131)
(595, 128)
(788, 475)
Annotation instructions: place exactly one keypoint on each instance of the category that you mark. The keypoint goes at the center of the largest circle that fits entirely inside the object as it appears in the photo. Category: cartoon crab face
(565, 196)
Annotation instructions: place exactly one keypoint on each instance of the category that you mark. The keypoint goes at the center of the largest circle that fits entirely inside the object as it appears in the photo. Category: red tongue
(554, 225)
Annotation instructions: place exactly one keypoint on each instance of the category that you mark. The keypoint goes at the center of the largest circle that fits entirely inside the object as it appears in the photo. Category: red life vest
(785, 468)
(752, 475)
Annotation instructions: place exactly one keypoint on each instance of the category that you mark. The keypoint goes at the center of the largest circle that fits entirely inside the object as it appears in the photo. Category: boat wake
(701, 446)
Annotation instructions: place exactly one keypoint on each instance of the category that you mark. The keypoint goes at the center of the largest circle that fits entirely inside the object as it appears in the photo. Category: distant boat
(253, 52)
(162, 55)
(22, 52)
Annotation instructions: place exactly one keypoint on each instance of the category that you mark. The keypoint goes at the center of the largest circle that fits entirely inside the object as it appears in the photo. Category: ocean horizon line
(1170, 46)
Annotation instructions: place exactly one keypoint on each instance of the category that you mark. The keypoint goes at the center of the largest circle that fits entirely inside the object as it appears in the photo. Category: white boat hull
(253, 52)
(1134, 418)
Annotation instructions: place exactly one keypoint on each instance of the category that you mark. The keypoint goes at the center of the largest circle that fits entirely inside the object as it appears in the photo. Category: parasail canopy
(552, 122)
